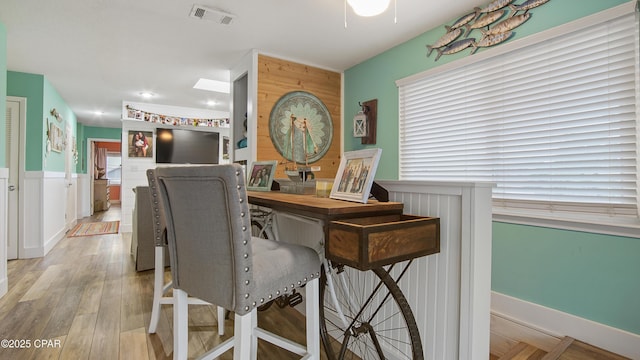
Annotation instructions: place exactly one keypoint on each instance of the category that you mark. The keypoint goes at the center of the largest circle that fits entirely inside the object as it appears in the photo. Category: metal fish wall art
(446, 39)
(455, 47)
(495, 5)
(487, 21)
(491, 40)
(463, 21)
(507, 25)
(526, 6)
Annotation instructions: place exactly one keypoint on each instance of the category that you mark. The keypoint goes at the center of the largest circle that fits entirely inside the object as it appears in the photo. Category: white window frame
(532, 213)
(114, 154)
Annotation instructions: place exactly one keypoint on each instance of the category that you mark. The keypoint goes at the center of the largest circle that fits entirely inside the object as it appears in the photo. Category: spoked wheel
(379, 321)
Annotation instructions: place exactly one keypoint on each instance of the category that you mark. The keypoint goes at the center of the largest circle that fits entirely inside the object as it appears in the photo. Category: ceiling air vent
(205, 13)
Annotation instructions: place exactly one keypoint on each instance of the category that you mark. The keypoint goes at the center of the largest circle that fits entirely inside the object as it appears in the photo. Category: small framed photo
(140, 144)
(260, 175)
(355, 175)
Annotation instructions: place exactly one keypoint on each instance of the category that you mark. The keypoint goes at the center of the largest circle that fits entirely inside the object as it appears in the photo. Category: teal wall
(92, 132)
(41, 98)
(593, 276)
(3, 93)
(375, 78)
(31, 86)
(588, 275)
(52, 100)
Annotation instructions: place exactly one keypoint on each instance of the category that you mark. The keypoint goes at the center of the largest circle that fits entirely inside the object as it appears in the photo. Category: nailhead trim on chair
(246, 256)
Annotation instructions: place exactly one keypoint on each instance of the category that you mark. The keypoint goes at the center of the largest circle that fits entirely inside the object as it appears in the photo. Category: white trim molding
(450, 292)
(4, 183)
(558, 324)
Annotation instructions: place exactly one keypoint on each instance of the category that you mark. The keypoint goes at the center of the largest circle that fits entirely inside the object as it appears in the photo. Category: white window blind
(553, 124)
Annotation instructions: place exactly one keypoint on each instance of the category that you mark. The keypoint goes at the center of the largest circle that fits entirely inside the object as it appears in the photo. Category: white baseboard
(4, 287)
(557, 323)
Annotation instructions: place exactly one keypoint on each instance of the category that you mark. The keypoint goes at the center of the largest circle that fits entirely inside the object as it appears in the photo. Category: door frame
(91, 165)
(22, 128)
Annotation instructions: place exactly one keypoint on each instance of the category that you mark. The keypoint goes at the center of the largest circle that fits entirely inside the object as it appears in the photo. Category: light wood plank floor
(84, 300)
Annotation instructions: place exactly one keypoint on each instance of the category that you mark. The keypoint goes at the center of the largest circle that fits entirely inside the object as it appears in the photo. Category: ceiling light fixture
(146, 94)
(368, 8)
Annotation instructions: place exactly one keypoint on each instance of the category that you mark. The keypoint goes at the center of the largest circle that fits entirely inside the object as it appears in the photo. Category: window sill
(628, 227)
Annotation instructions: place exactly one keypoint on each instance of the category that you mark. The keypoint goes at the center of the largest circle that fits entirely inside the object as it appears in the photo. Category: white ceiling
(98, 53)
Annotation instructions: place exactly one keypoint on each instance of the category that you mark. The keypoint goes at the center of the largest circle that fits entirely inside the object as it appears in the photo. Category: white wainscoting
(4, 183)
(84, 195)
(450, 292)
(43, 213)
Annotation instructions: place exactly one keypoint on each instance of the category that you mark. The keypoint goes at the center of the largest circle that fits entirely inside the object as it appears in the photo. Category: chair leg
(158, 288)
(312, 299)
(221, 320)
(243, 337)
(180, 325)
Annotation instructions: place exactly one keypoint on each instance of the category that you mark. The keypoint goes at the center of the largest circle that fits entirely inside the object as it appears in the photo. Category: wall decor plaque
(300, 127)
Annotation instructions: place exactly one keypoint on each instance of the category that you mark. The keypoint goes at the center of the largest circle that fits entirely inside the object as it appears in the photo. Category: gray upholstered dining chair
(215, 258)
(160, 288)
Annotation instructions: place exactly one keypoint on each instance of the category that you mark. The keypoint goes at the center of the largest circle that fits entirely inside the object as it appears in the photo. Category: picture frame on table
(355, 175)
(260, 175)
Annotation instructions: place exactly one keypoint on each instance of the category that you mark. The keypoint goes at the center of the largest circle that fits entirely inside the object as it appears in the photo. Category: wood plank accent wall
(278, 77)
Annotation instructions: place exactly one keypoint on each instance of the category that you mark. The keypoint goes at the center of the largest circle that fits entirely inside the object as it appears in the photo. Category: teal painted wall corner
(42, 97)
(30, 86)
(67, 122)
(93, 132)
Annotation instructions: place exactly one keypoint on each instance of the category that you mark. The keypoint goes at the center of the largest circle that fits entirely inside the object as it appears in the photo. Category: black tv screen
(179, 146)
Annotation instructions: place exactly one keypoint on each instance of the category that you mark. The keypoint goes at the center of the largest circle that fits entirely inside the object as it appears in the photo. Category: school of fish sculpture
(446, 39)
(495, 5)
(526, 6)
(455, 47)
(485, 20)
(491, 40)
(463, 21)
(507, 25)
(488, 21)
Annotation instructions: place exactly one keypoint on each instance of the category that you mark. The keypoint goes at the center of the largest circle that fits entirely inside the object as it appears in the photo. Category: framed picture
(140, 144)
(225, 147)
(260, 175)
(56, 137)
(355, 175)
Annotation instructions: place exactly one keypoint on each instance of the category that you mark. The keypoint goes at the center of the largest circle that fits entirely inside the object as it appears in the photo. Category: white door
(16, 115)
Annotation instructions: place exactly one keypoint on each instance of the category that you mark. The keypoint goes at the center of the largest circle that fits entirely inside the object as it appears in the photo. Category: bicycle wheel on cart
(367, 317)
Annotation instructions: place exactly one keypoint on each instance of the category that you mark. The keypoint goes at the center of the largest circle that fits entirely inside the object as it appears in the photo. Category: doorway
(111, 148)
(16, 120)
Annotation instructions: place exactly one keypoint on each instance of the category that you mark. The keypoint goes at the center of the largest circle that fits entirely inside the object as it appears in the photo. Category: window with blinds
(553, 124)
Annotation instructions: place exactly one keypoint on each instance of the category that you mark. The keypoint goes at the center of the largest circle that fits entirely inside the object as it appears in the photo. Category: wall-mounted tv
(180, 146)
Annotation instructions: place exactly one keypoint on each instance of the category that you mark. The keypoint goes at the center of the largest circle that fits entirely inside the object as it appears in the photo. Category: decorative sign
(300, 127)
(55, 137)
(136, 114)
(487, 21)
